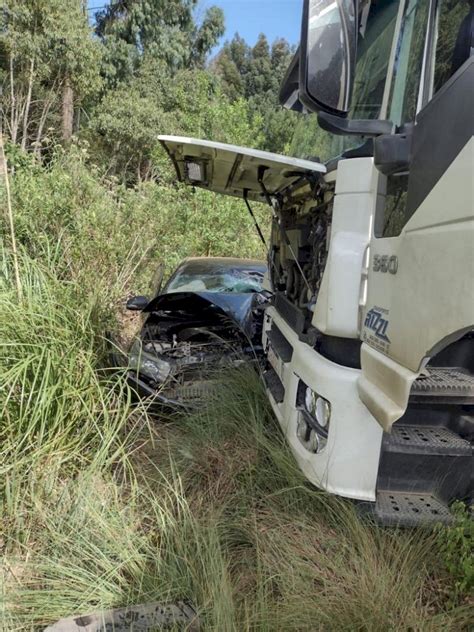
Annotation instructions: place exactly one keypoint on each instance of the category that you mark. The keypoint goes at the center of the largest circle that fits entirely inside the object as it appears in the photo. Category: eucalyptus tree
(165, 30)
(255, 73)
(49, 63)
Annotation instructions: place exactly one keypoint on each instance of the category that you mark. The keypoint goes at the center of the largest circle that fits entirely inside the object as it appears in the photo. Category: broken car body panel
(237, 307)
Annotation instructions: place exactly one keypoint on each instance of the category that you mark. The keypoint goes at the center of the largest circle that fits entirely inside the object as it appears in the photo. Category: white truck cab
(369, 336)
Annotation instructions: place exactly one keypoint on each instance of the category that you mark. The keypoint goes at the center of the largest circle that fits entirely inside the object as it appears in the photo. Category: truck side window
(403, 102)
(408, 62)
(391, 218)
(452, 49)
(373, 54)
(454, 39)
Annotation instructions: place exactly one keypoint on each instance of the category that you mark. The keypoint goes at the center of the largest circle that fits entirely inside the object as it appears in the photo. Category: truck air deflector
(233, 170)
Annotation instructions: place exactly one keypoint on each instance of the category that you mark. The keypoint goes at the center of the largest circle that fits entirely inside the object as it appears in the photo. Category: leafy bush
(124, 127)
(108, 238)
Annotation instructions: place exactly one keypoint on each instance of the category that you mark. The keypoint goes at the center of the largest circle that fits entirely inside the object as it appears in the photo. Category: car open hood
(233, 170)
(238, 307)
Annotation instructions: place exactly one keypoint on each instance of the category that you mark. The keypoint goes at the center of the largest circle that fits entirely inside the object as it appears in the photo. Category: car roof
(206, 265)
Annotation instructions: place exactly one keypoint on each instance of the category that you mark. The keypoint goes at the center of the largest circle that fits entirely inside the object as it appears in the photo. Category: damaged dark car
(208, 317)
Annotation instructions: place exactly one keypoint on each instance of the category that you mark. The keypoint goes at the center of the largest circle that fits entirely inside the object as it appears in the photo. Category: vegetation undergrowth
(101, 505)
(210, 507)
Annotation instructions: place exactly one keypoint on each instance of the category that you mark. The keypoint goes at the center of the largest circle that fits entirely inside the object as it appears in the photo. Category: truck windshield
(376, 29)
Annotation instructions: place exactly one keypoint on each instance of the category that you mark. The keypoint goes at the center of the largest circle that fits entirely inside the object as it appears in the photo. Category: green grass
(102, 506)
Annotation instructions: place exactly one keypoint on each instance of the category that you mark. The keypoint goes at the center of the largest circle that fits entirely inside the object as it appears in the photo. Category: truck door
(420, 292)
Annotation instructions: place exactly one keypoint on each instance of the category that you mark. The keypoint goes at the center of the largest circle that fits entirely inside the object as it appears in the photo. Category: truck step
(424, 459)
(444, 385)
(425, 440)
(408, 509)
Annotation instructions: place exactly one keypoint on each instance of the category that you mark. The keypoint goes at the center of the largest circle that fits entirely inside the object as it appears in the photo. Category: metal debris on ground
(141, 618)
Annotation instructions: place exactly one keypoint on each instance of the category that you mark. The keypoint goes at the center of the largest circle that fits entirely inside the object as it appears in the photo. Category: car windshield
(224, 280)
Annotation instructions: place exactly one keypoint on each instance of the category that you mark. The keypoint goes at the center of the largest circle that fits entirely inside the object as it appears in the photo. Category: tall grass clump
(63, 415)
(52, 399)
(214, 511)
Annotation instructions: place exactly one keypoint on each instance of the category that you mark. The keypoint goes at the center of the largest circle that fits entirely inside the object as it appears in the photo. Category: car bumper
(187, 395)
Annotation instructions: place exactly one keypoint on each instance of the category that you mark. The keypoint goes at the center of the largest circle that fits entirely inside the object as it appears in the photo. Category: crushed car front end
(188, 340)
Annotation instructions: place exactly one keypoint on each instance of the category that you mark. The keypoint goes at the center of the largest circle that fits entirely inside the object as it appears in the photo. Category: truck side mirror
(328, 55)
(137, 303)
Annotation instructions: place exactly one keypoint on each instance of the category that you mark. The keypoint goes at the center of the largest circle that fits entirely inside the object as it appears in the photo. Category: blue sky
(275, 18)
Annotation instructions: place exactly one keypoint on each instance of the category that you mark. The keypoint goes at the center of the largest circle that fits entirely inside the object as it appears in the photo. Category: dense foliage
(255, 74)
(161, 29)
(140, 68)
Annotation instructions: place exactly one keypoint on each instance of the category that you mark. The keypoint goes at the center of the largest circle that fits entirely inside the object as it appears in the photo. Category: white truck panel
(337, 311)
(429, 302)
(348, 465)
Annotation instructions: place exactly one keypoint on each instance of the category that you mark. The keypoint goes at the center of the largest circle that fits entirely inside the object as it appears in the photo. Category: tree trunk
(13, 118)
(26, 114)
(41, 124)
(68, 111)
(16, 265)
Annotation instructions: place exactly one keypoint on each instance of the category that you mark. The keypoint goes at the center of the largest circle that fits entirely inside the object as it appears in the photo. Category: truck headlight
(148, 364)
(323, 412)
(313, 419)
(317, 407)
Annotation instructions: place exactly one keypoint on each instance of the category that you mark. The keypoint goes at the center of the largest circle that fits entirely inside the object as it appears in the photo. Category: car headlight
(148, 364)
